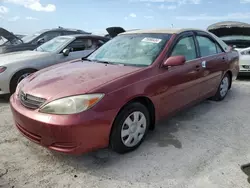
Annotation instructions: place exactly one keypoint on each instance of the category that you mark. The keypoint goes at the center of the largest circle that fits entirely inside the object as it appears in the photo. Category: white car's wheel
(18, 77)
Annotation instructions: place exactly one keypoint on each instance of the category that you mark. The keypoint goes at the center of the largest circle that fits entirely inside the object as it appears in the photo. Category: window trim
(203, 34)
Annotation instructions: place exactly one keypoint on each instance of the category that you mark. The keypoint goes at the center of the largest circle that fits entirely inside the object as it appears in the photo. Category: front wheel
(223, 88)
(130, 128)
(18, 77)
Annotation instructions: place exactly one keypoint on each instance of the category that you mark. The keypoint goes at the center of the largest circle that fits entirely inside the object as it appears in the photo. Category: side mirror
(40, 41)
(174, 61)
(66, 52)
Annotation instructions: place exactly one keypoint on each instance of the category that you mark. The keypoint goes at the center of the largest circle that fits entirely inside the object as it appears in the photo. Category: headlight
(71, 105)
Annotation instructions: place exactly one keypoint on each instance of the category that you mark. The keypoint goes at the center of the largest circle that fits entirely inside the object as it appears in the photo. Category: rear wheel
(130, 128)
(223, 88)
(18, 77)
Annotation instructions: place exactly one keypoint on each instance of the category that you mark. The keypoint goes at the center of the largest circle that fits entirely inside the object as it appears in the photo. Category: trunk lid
(114, 31)
(8, 35)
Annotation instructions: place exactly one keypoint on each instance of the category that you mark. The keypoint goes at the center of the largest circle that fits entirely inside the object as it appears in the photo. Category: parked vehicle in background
(114, 31)
(7, 37)
(114, 96)
(20, 36)
(30, 42)
(236, 35)
(17, 65)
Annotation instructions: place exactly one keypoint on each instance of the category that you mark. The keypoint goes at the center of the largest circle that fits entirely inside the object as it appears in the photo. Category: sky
(28, 16)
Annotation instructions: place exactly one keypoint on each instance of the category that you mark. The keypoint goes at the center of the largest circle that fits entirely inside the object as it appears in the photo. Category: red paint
(174, 61)
(169, 89)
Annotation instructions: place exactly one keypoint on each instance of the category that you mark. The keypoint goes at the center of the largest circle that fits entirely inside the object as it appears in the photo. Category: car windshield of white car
(132, 49)
(54, 44)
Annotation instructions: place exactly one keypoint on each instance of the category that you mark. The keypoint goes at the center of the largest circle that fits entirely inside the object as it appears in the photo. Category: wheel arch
(147, 102)
(229, 72)
(19, 71)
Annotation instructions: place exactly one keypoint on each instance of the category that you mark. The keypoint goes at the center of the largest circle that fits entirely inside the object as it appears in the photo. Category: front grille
(31, 101)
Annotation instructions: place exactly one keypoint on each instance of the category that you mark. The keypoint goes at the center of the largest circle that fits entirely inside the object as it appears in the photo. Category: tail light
(2, 69)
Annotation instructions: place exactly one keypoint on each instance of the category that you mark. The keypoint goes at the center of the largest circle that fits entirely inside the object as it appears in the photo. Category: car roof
(65, 29)
(166, 31)
(84, 36)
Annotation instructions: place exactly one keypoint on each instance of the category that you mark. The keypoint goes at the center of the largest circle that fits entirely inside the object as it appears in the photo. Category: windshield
(131, 49)
(54, 44)
(235, 37)
(29, 38)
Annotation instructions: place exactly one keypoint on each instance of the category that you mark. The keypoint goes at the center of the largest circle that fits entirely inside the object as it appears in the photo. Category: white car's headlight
(72, 104)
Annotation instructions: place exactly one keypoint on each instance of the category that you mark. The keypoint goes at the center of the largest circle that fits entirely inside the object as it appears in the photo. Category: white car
(17, 65)
(244, 61)
(236, 35)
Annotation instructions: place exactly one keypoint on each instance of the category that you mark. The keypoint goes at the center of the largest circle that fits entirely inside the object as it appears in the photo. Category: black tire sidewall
(14, 80)
(115, 139)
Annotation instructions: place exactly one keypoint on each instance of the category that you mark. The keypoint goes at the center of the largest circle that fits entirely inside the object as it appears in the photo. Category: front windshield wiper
(85, 59)
(99, 61)
(105, 62)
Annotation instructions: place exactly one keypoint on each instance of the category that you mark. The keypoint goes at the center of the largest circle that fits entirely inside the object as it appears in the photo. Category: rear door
(181, 83)
(214, 62)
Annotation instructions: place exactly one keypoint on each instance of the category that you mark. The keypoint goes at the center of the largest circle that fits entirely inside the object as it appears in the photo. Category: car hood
(7, 35)
(15, 57)
(229, 28)
(73, 78)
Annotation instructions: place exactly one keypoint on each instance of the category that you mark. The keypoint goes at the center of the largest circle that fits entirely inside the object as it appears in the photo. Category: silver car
(17, 65)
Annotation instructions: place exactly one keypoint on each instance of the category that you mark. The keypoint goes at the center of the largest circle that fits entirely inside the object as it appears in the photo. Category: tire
(18, 77)
(223, 88)
(125, 138)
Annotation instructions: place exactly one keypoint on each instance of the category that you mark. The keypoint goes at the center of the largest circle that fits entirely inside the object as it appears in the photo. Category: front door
(181, 83)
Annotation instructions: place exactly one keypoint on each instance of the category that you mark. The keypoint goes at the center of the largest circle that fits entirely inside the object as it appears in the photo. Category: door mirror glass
(40, 41)
(174, 61)
(66, 52)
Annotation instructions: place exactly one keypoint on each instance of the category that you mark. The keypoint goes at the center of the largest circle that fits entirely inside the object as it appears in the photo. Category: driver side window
(81, 44)
(185, 47)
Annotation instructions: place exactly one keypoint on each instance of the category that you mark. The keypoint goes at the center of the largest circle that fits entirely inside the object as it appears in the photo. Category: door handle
(197, 67)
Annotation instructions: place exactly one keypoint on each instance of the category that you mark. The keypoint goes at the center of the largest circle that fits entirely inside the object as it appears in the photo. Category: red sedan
(115, 95)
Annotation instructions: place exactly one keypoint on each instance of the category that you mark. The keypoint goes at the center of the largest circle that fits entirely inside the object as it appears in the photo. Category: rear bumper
(244, 73)
(68, 134)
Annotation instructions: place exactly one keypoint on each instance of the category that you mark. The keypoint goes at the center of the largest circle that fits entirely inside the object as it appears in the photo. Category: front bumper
(244, 65)
(74, 134)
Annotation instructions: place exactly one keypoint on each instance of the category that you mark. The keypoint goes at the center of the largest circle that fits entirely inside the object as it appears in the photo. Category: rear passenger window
(207, 46)
(185, 47)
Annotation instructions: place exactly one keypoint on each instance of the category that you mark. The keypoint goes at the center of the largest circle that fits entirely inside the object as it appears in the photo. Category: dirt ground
(201, 147)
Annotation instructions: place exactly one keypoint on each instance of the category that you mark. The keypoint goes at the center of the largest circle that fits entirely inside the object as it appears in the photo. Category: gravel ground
(201, 147)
